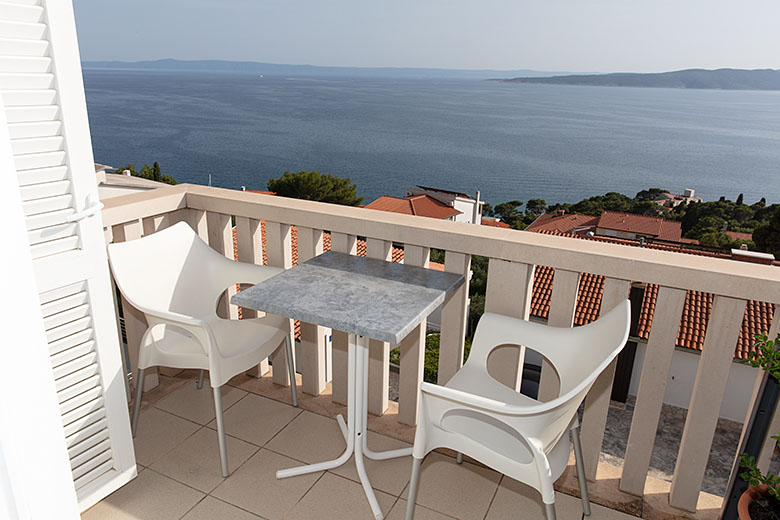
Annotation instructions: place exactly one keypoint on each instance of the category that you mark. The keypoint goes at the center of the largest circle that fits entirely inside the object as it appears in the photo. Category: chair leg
(201, 376)
(221, 431)
(549, 510)
(139, 391)
(291, 369)
(414, 484)
(575, 438)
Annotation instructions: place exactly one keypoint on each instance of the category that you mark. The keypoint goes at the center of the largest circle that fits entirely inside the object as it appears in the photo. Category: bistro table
(368, 299)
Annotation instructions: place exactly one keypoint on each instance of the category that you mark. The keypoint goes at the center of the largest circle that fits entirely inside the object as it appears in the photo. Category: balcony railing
(512, 259)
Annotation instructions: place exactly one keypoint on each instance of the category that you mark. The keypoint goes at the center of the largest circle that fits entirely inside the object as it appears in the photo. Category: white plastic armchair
(176, 280)
(521, 437)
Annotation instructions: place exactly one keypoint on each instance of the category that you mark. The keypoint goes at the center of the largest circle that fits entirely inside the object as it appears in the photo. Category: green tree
(510, 213)
(152, 173)
(740, 198)
(487, 210)
(156, 174)
(650, 194)
(535, 207)
(767, 237)
(312, 185)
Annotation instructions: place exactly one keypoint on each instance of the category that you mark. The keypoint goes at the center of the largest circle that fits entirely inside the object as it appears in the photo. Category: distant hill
(273, 69)
(722, 79)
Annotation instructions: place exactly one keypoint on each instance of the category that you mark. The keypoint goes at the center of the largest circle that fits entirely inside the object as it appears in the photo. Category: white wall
(466, 208)
(679, 387)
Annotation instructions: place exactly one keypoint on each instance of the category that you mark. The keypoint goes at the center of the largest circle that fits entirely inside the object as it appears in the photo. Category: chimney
(689, 193)
(243, 188)
(561, 212)
(126, 172)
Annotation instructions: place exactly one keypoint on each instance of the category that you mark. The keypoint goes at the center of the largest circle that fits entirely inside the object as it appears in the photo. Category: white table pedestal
(354, 430)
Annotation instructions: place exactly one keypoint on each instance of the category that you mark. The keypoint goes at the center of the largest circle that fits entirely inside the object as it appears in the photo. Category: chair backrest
(578, 354)
(168, 270)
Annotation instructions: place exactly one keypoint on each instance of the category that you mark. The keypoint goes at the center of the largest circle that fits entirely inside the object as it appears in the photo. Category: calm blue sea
(511, 141)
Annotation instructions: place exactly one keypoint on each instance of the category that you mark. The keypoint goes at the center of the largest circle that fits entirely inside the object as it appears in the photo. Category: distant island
(278, 69)
(720, 79)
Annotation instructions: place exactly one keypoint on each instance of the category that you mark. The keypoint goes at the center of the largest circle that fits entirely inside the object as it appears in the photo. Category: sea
(510, 141)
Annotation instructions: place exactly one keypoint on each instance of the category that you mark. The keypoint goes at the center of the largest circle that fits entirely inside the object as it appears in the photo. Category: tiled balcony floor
(179, 472)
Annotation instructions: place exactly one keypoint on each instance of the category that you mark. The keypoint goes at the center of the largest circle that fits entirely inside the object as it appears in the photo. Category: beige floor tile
(336, 497)
(460, 490)
(212, 509)
(257, 419)
(198, 405)
(158, 433)
(390, 476)
(513, 496)
(150, 496)
(310, 438)
(254, 486)
(604, 513)
(195, 461)
(420, 513)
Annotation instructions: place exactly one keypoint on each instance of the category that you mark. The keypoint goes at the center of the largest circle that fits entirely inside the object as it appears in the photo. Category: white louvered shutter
(42, 96)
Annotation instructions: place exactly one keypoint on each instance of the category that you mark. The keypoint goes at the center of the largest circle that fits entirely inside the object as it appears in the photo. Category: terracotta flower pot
(750, 494)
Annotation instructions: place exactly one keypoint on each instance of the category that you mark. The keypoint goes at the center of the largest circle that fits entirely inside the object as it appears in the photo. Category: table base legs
(354, 429)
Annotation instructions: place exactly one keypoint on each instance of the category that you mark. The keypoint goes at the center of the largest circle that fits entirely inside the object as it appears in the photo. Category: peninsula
(720, 79)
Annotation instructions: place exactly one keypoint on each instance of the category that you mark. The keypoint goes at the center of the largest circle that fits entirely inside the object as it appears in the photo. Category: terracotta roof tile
(641, 224)
(419, 205)
(736, 235)
(494, 222)
(567, 223)
(696, 311)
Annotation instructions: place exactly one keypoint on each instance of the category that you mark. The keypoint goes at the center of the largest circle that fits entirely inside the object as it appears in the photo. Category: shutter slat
(69, 393)
(71, 353)
(25, 64)
(98, 459)
(84, 434)
(22, 30)
(63, 303)
(36, 129)
(62, 292)
(24, 2)
(68, 329)
(52, 218)
(74, 427)
(75, 371)
(23, 47)
(53, 247)
(26, 98)
(80, 400)
(44, 190)
(32, 114)
(39, 160)
(100, 433)
(38, 145)
(21, 12)
(56, 347)
(41, 175)
(95, 473)
(34, 207)
(88, 454)
(13, 80)
(39, 236)
(83, 411)
(67, 316)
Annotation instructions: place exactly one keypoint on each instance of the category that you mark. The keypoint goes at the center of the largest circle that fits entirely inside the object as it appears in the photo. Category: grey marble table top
(373, 298)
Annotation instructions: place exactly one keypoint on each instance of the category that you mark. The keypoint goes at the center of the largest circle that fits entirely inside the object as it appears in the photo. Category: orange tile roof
(420, 205)
(641, 224)
(494, 222)
(736, 235)
(567, 223)
(696, 311)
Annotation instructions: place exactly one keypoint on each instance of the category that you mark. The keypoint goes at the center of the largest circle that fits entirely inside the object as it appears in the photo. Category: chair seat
(474, 381)
(237, 341)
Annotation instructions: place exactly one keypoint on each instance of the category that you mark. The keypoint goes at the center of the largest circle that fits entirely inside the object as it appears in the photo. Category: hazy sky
(559, 35)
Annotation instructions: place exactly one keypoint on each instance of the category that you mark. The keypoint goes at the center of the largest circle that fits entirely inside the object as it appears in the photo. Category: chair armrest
(195, 326)
(483, 403)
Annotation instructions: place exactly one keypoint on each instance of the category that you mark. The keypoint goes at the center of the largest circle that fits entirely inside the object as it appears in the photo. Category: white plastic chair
(516, 435)
(176, 280)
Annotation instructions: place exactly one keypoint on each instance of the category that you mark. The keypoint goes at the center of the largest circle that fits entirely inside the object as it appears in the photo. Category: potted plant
(761, 501)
